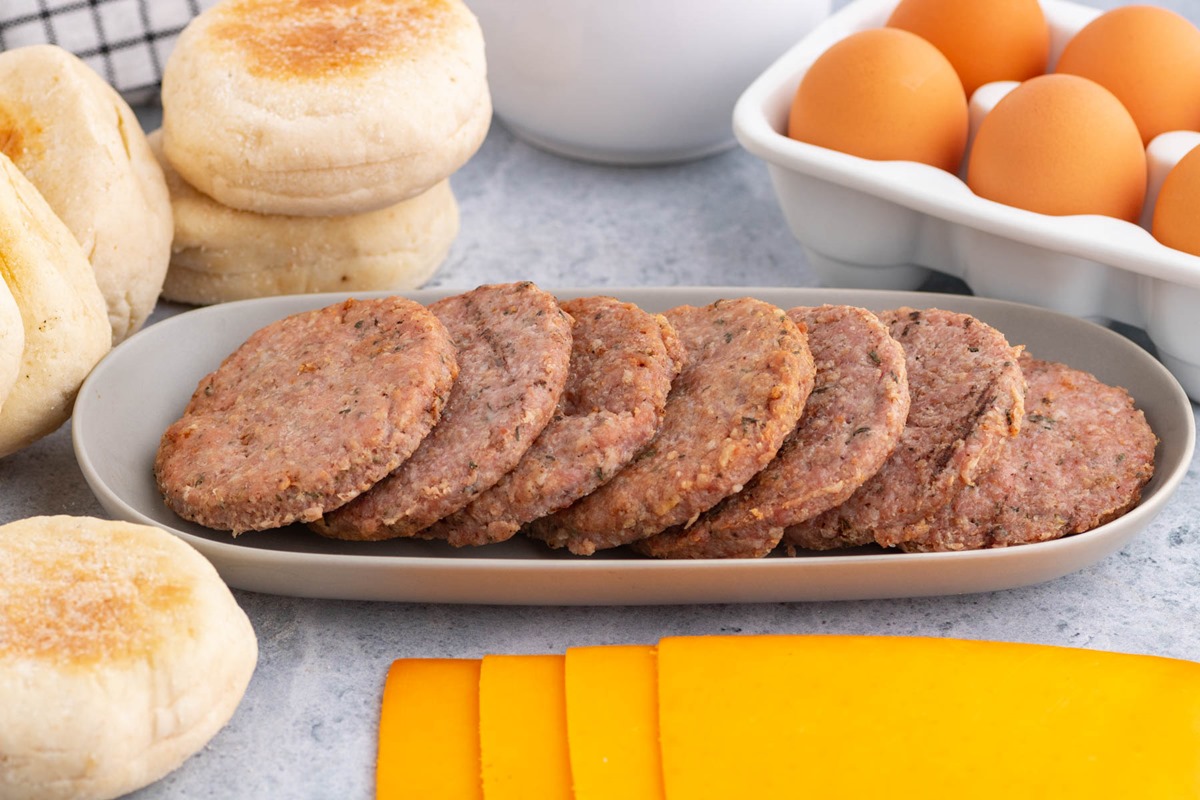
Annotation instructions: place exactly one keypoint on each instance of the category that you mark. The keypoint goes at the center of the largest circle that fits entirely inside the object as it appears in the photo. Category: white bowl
(887, 224)
(632, 81)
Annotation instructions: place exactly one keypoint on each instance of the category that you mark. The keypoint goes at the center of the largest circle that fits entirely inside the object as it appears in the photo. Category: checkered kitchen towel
(126, 41)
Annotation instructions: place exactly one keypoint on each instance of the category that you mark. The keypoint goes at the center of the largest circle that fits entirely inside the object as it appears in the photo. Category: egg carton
(889, 224)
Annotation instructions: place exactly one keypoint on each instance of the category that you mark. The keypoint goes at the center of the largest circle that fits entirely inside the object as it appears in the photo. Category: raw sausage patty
(514, 344)
(740, 392)
(310, 411)
(967, 393)
(623, 360)
(1082, 457)
(850, 425)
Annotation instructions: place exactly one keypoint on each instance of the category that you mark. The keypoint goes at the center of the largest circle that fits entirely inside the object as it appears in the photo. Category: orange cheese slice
(850, 716)
(523, 728)
(429, 731)
(612, 722)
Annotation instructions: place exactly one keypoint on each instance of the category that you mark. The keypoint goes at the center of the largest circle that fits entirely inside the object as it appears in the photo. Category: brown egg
(884, 94)
(1060, 144)
(985, 40)
(1177, 212)
(1149, 58)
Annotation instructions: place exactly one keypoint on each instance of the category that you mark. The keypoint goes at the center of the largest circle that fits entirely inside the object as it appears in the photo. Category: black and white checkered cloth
(126, 41)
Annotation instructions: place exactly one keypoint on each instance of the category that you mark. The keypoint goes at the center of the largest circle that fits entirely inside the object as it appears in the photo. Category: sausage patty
(967, 394)
(621, 371)
(514, 344)
(739, 394)
(1082, 457)
(310, 411)
(850, 425)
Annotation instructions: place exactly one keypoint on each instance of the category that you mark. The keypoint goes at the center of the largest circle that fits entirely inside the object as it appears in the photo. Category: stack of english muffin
(308, 148)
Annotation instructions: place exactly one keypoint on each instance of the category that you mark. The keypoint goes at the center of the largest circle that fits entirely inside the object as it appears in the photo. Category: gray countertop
(307, 725)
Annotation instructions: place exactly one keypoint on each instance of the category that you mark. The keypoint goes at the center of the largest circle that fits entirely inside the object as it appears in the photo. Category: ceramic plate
(144, 384)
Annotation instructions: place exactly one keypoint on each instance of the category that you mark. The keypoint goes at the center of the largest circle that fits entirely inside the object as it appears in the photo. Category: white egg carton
(887, 224)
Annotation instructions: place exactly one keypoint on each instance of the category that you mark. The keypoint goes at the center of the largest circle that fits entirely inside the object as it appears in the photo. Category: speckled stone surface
(307, 726)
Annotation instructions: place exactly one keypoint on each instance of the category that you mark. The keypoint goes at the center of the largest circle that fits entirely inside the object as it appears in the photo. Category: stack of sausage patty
(724, 431)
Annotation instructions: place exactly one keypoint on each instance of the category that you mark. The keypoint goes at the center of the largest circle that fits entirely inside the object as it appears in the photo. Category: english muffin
(63, 314)
(324, 107)
(122, 653)
(12, 341)
(81, 145)
(220, 253)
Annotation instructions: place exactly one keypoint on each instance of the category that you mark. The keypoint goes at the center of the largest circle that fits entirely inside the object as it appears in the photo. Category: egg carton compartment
(890, 224)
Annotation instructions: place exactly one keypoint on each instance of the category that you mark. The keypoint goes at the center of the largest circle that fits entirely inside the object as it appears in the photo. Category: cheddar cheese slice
(867, 717)
(523, 728)
(429, 731)
(612, 722)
